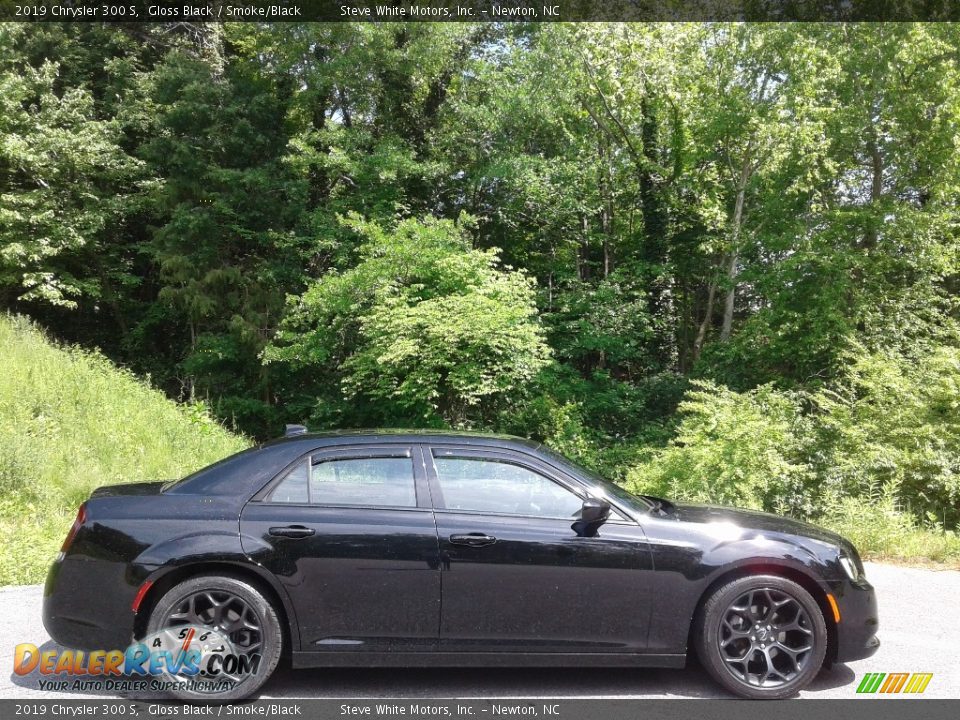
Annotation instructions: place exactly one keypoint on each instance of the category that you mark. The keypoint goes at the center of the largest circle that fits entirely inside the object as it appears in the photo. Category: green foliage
(895, 422)
(559, 424)
(882, 436)
(225, 243)
(876, 526)
(71, 421)
(744, 449)
(766, 209)
(424, 329)
(63, 179)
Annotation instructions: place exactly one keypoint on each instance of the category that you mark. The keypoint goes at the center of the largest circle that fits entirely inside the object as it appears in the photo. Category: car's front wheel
(232, 629)
(761, 637)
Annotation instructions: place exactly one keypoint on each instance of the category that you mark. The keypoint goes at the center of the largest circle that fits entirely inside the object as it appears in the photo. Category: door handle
(292, 531)
(473, 540)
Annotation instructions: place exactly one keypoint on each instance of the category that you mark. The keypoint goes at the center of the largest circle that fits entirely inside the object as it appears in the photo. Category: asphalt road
(918, 633)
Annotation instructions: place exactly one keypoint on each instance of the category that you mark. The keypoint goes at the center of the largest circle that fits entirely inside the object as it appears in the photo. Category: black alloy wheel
(235, 610)
(762, 637)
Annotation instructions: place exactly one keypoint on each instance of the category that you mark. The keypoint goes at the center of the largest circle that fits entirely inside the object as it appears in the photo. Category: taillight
(77, 524)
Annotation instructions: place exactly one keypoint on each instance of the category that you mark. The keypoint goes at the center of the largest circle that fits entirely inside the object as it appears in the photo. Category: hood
(137, 488)
(766, 523)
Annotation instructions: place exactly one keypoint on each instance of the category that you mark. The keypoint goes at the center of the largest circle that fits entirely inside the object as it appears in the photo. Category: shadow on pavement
(692, 682)
(488, 682)
(837, 676)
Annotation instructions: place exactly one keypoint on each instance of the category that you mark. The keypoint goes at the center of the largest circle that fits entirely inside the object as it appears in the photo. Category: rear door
(351, 535)
(517, 576)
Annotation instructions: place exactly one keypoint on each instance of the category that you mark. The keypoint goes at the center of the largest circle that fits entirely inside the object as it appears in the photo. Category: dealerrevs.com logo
(892, 683)
(186, 658)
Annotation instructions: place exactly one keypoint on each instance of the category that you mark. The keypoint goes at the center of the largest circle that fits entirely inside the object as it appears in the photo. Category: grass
(71, 421)
(882, 532)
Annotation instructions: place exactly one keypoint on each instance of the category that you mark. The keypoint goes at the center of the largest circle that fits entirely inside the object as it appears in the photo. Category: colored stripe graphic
(918, 682)
(870, 682)
(893, 683)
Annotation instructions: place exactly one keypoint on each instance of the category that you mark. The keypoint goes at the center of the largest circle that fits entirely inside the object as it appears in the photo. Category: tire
(753, 652)
(245, 605)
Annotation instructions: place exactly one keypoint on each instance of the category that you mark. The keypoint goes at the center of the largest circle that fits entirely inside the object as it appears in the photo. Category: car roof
(244, 472)
(467, 437)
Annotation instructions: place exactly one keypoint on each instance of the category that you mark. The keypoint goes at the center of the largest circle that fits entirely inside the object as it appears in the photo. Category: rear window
(239, 475)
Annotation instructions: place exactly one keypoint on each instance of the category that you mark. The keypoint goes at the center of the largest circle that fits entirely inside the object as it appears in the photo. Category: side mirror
(593, 514)
(595, 511)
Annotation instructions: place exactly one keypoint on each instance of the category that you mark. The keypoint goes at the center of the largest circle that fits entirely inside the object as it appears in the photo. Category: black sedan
(394, 548)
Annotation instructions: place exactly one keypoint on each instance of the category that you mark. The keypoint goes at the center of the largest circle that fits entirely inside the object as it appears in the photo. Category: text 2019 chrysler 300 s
(394, 548)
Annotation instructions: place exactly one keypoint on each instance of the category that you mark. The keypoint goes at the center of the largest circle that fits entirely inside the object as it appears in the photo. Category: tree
(747, 450)
(64, 180)
(856, 240)
(423, 329)
(224, 241)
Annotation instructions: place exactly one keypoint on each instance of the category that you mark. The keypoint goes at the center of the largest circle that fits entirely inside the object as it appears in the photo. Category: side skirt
(302, 659)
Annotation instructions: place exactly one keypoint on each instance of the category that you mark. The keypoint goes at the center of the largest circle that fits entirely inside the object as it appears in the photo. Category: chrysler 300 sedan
(397, 548)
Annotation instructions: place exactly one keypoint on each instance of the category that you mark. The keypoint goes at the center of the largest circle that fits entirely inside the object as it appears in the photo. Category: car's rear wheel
(761, 637)
(238, 620)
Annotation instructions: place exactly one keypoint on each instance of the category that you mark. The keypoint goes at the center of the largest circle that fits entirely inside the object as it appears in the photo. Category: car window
(493, 486)
(364, 481)
(293, 488)
(375, 481)
(603, 486)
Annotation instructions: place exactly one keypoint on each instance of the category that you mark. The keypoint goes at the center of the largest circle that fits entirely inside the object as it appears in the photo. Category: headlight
(849, 567)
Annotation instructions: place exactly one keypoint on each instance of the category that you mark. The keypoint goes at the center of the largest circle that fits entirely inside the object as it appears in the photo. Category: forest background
(716, 262)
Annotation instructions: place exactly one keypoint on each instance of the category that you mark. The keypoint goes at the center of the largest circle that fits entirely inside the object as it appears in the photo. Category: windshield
(609, 488)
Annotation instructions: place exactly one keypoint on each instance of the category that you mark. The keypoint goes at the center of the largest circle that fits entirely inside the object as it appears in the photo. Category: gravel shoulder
(916, 632)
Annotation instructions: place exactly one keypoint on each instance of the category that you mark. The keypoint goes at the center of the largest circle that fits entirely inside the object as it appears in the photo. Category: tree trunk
(705, 323)
(583, 255)
(734, 249)
(876, 188)
(652, 207)
(728, 302)
(210, 46)
(606, 210)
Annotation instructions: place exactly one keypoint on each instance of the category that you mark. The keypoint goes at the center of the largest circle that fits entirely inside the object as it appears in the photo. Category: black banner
(475, 10)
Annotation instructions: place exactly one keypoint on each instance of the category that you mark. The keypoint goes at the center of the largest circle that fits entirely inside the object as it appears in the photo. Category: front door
(517, 575)
(351, 535)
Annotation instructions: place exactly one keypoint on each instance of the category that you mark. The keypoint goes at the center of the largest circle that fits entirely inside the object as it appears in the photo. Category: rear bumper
(87, 605)
(859, 621)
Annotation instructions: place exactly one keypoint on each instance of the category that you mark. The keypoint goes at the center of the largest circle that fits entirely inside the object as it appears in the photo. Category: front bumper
(86, 605)
(859, 621)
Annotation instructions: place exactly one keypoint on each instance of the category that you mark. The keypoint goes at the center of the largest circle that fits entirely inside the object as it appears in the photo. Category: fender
(214, 544)
(764, 550)
(203, 549)
(684, 575)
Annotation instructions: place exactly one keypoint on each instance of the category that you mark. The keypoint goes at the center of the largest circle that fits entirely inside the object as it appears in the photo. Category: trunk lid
(137, 488)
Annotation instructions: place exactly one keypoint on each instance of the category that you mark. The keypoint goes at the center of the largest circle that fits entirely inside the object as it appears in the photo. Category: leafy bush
(427, 330)
(71, 421)
(895, 421)
(570, 413)
(875, 454)
(746, 449)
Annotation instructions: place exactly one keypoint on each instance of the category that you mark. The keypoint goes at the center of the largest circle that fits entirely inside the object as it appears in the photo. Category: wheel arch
(788, 572)
(176, 575)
